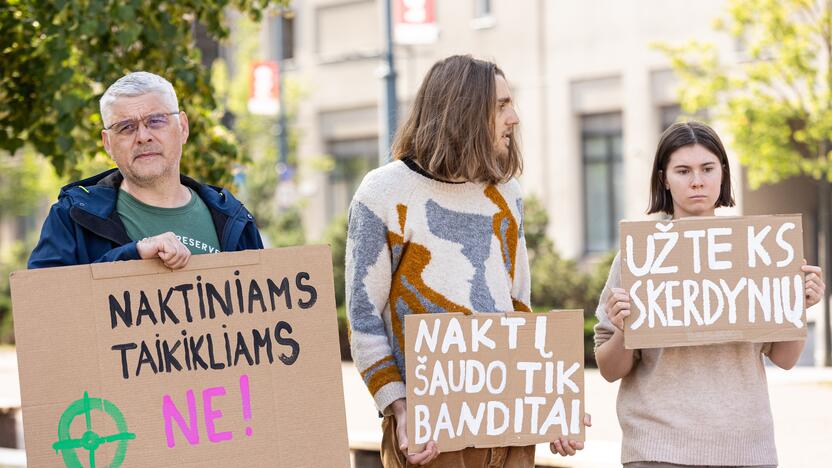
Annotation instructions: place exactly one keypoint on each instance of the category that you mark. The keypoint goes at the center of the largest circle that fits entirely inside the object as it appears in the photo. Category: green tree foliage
(11, 259)
(27, 182)
(336, 237)
(559, 283)
(774, 97)
(59, 56)
(279, 220)
(556, 281)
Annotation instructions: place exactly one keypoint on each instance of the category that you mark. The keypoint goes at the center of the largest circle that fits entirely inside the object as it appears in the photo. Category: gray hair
(137, 84)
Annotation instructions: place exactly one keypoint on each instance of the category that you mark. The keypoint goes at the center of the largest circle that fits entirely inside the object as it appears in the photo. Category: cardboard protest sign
(232, 361)
(713, 280)
(492, 380)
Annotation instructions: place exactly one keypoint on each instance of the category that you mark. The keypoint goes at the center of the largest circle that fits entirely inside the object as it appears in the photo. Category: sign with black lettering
(231, 361)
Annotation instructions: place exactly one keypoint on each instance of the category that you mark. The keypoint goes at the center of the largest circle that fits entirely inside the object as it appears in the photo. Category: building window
(353, 160)
(603, 180)
(343, 31)
(482, 8)
(483, 15)
(672, 113)
(668, 115)
(288, 31)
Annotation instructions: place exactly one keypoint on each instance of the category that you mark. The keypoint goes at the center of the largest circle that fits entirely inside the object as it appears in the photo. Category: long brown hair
(450, 130)
(677, 136)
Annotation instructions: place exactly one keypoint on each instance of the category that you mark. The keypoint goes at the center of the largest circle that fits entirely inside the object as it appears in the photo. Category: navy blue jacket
(84, 227)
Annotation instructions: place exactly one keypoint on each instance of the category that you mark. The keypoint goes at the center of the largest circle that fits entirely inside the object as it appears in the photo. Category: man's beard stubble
(149, 180)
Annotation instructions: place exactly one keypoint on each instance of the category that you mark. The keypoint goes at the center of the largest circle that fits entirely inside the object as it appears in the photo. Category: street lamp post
(389, 104)
(283, 145)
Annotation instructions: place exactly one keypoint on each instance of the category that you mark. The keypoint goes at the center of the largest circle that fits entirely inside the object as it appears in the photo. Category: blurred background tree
(26, 181)
(336, 237)
(263, 178)
(59, 56)
(775, 98)
(560, 283)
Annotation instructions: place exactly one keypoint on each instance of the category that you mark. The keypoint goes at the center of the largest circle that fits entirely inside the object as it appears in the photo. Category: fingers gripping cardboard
(491, 380)
(232, 361)
(713, 280)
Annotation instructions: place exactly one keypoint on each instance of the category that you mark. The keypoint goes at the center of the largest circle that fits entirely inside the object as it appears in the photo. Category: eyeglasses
(151, 122)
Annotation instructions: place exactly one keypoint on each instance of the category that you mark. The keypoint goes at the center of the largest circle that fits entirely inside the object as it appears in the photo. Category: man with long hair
(439, 229)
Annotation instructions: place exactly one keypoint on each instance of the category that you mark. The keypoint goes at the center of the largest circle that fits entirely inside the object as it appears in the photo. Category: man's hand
(166, 246)
(569, 447)
(425, 456)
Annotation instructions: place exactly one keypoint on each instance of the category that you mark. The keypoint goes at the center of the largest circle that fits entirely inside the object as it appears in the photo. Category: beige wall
(601, 60)
(563, 59)
(336, 59)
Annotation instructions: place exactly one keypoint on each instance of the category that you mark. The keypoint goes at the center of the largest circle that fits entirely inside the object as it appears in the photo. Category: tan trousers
(499, 457)
(671, 465)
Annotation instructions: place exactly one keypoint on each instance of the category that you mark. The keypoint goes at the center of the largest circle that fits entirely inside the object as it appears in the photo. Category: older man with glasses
(144, 208)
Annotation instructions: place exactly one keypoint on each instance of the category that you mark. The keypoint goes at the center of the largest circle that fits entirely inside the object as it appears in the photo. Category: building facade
(592, 92)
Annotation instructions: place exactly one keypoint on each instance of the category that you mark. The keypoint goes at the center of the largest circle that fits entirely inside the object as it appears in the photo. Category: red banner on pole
(264, 88)
(415, 21)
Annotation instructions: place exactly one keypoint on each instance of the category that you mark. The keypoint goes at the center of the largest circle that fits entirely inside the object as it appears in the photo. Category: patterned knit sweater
(418, 245)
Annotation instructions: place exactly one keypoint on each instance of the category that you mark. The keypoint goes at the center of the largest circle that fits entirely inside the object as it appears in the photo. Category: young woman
(695, 405)
(438, 230)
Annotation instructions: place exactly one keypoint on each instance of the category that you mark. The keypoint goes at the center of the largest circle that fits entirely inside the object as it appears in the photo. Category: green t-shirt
(191, 223)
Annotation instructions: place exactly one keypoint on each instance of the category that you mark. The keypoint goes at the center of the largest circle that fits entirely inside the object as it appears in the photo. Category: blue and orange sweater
(418, 245)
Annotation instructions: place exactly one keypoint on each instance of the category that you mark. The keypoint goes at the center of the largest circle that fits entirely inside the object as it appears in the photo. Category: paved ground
(10, 402)
(9, 384)
(603, 442)
(801, 401)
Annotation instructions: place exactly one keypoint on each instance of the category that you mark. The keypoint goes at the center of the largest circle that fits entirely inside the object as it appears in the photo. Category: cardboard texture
(494, 380)
(709, 280)
(232, 361)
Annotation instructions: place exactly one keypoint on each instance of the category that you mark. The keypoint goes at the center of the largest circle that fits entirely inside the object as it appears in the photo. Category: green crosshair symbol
(90, 441)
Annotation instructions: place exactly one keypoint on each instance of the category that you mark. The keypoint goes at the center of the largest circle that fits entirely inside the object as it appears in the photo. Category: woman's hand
(814, 287)
(617, 307)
